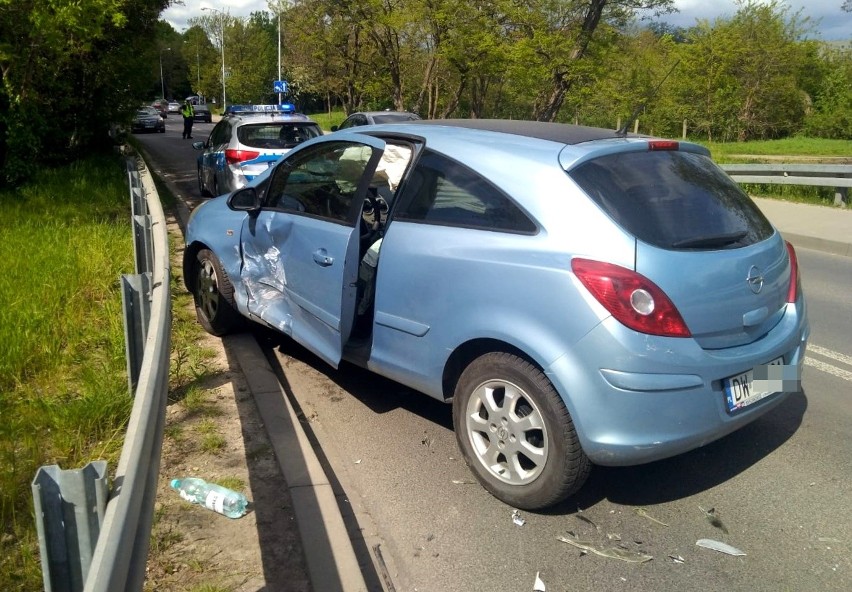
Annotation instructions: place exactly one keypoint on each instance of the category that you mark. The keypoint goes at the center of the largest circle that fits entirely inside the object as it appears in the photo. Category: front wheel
(214, 296)
(516, 434)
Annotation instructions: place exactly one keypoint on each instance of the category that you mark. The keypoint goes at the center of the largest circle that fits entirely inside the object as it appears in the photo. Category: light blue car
(581, 296)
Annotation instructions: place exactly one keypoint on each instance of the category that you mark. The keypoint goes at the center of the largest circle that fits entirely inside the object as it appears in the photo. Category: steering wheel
(371, 220)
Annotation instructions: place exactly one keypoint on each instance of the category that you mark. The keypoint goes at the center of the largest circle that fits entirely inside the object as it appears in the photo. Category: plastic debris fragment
(538, 585)
(613, 536)
(463, 482)
(644, 513)
(714, 519)
(828, 540)
(719, 546)
(677, 559)
(516, 518)
(611, 552)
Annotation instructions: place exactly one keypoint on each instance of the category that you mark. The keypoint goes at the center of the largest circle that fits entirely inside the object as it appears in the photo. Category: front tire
(516, 434)
(214, 296)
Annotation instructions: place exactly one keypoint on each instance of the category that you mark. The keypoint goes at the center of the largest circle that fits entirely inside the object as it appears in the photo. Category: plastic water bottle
(213, 497)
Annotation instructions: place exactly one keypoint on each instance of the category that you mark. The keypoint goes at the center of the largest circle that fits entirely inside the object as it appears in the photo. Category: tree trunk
(561, 80)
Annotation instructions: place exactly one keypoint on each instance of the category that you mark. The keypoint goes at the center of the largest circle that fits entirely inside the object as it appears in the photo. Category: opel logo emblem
(754, 279)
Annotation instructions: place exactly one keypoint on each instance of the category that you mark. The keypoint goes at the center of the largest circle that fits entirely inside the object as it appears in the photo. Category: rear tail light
(795, 287)
(634, 300)
(238, 156)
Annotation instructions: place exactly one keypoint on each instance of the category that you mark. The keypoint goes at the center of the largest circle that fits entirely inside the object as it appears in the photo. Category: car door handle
(321, 258)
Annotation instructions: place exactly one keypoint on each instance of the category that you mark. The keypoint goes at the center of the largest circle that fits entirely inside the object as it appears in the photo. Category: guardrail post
(143, 248)
(136, 304)
(69, 510)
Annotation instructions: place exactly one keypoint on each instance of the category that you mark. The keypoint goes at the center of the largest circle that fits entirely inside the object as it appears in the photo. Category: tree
(741, 78)
(68, 69)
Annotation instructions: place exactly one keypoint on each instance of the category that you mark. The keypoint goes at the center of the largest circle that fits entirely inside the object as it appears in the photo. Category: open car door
(301, 250)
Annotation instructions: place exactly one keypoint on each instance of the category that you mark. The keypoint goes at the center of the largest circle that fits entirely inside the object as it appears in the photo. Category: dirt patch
(213, 431)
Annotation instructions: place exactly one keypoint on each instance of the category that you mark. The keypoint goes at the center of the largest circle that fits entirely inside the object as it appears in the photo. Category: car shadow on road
(653, 483)
(692, 472)
(379, 394)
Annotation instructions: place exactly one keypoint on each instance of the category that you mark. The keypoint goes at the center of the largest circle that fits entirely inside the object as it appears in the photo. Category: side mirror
(244, 200)
(198, 145)
(334, 128)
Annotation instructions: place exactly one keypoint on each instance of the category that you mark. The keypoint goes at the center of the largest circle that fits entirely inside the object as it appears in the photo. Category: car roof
(555, 132)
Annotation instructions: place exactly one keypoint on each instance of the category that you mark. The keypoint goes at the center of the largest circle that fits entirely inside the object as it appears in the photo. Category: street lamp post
(162, 81)
(279, 47)
(222, 45)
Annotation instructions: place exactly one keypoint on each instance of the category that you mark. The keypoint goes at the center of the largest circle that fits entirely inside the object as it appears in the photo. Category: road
(780, 487)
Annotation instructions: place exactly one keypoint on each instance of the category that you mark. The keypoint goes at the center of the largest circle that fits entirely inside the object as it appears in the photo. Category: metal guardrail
(93, 538)
(838, 176)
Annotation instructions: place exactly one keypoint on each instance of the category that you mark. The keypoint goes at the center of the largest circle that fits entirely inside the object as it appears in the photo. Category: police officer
(188, 117)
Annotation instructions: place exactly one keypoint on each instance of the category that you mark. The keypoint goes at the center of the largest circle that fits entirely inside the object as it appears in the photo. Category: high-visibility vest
(187, 110)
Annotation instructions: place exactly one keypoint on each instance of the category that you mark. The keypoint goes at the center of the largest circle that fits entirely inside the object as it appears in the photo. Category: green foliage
(69, 68)
(63, 383)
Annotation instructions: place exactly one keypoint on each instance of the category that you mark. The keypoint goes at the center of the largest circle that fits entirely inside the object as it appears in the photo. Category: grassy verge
(63, 383)
(326, 120)
(788, 151)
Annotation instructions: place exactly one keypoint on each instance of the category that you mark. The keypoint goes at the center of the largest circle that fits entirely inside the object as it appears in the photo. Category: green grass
(63, 387)
(789, 148)
(326, 120)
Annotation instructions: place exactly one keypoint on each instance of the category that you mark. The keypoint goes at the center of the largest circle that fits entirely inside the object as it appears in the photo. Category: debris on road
(714, 519)
(538, 585)
(677, 559)
(719, 546)
(619, 553)
(580, 516)
(516, 518)
(644, 513)
(463, 482)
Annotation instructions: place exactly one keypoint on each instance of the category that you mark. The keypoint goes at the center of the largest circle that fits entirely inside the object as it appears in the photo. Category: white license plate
(740, 389)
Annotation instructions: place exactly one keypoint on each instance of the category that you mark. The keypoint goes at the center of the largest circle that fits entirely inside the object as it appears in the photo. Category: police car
(247, 141)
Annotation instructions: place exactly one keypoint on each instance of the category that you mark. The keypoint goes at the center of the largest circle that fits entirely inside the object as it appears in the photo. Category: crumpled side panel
(265, 279)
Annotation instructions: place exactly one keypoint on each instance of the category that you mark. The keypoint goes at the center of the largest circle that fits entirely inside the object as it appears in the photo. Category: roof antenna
(633, 116)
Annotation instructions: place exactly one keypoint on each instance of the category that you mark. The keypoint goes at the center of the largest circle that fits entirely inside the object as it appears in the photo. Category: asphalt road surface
(780, 489)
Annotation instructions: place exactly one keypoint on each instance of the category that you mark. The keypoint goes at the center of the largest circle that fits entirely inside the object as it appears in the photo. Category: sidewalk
(821, 228)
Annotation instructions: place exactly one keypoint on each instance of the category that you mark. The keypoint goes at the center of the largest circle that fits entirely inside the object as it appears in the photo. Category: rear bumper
(638, 398)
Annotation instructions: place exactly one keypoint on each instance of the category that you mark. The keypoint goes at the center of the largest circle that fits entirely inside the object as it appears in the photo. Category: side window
(443, 191)
(320, 182)
(221, 133)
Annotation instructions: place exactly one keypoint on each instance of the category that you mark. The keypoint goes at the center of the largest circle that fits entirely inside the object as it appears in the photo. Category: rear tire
(516, 434)
(201, 189)
(214, 296)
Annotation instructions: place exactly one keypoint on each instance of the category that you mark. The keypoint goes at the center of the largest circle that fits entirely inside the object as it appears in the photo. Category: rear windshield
(278, 135)
(674, 200)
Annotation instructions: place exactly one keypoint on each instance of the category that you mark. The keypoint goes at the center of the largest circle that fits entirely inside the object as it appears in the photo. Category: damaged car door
(301, 249)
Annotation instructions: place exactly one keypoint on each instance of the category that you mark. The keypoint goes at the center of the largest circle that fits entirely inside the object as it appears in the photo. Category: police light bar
(281, 108)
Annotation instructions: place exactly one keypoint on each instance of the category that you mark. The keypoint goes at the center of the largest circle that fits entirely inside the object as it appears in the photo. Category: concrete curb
(329, 553)
(819, 244)
(330, 556)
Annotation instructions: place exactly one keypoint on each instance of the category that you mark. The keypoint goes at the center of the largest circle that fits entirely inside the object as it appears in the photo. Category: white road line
(839, 372)
(828, 353)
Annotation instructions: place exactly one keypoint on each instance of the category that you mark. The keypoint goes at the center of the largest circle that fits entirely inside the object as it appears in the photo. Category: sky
(833, 24)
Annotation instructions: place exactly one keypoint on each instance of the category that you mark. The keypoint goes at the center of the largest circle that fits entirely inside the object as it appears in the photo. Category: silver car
(247, 141)
(580, 296)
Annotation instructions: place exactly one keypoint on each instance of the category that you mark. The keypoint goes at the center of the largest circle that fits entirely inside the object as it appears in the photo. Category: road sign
(279, 86)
